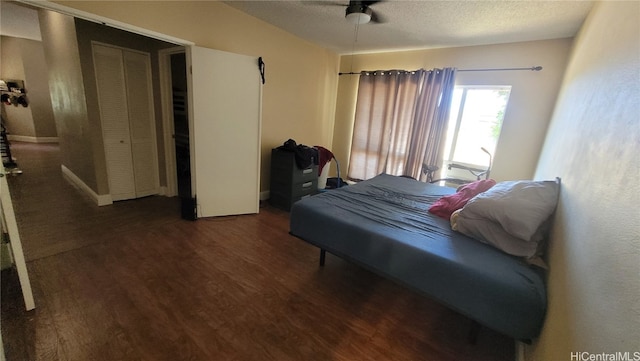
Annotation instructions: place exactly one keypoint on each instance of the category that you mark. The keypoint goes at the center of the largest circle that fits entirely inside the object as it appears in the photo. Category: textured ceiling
(422, 24)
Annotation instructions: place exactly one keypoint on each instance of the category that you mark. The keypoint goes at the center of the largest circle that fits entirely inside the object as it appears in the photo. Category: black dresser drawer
(305, 175)
(295, 190)
(289, 183)
(286, 199)
(295, 174)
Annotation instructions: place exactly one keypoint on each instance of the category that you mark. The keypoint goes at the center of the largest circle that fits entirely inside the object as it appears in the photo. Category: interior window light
(475, 122)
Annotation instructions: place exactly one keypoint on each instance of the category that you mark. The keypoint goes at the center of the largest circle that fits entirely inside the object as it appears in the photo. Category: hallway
(54, 217)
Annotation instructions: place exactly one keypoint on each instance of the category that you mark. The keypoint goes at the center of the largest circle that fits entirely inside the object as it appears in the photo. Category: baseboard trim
(100, 199)
(29, 139)
(264, 195)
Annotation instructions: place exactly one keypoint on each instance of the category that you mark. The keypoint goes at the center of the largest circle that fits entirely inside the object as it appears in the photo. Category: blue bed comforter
(383, 224)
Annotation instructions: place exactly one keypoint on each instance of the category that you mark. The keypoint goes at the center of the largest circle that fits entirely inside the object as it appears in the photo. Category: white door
(112, 98)
(9, 223)
(226, 101)
(142, 132)
(125, 99)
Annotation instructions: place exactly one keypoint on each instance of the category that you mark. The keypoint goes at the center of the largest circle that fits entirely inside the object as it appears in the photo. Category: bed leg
(474, 330)
(322, 255)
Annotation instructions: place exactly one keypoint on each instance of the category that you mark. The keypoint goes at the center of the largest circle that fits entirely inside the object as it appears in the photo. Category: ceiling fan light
(358, 18)
(358, 15)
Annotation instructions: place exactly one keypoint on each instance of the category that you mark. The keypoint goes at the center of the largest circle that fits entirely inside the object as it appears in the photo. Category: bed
(383, 224)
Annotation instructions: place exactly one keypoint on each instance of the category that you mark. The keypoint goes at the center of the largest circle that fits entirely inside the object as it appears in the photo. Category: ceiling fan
(360, 12)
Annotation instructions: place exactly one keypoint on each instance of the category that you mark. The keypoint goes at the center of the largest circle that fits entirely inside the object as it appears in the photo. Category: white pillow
(493, 234)
(511, 216)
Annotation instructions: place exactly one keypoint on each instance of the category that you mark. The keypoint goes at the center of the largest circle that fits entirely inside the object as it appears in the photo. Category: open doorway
(67, 41)
(72, 221)
(180, 114)
(220, 187)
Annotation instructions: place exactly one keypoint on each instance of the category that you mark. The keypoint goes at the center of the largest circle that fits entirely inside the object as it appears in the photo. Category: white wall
(593, 144)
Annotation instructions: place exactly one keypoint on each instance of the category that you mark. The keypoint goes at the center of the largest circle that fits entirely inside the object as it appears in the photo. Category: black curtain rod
(533, 68)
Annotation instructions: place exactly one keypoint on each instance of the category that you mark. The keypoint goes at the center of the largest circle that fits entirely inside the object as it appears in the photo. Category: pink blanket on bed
(446, 205)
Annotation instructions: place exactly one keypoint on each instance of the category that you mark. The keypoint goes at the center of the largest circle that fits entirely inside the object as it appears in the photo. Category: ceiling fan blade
(329, 3)
(375, 18)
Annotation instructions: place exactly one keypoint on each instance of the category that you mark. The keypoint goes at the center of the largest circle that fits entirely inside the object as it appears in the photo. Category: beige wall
(530, 104)
(23, 59)
(67, 95)
(299, 95)
(593, 144)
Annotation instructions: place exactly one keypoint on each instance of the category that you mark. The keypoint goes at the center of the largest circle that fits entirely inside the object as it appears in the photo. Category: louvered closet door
(141, 122)
(114, 114)
(126, 110)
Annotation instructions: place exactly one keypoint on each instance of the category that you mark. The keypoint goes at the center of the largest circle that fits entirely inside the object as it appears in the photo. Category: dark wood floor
(134, 282)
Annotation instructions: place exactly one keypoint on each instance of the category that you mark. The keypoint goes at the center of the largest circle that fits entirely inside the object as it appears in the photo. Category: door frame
(170, 152)
(164, 59)
(171, 188)
(62, 9)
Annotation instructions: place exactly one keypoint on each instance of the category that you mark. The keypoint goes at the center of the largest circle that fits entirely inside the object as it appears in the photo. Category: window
(475, 122)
